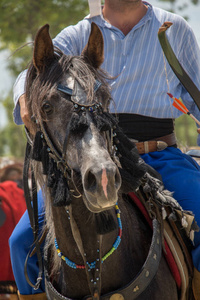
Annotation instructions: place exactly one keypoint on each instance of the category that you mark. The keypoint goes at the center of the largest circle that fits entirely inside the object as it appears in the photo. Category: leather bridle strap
(95, 287)
(176, 66)
(32, 208)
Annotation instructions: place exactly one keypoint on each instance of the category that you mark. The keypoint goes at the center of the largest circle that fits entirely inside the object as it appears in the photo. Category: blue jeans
(21, 242)
(181, 175)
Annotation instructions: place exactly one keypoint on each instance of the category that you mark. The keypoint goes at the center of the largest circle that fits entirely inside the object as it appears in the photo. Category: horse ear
(43, 53)
(94, 50)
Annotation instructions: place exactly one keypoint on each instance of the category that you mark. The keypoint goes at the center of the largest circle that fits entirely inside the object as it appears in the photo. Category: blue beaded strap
(93, 264)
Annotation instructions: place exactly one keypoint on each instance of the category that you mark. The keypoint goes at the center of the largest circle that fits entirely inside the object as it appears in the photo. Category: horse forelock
(39, 86)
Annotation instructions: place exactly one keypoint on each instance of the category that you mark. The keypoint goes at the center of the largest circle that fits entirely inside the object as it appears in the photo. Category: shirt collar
(96, 8)
(100, 21)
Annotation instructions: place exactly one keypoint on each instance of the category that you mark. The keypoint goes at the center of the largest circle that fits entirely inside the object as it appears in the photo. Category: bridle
(78, 108)
(60, 159)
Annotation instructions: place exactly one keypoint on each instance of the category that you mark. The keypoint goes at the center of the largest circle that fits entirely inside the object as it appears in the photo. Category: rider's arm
(18, 91)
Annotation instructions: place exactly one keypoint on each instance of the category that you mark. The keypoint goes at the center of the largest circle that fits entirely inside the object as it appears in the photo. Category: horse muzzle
(101, 183)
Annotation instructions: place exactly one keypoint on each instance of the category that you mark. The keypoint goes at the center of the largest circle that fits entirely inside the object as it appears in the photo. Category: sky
(192, 11)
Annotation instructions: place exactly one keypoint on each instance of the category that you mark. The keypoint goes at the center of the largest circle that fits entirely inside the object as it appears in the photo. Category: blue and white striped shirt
(137, 61)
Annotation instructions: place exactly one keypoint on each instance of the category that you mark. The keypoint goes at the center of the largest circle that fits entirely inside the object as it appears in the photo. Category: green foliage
(21, 19)
(186, 131)
(19, 22)
(179, 8)
(12, 139)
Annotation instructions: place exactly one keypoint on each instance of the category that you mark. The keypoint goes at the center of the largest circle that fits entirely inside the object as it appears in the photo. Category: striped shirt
(137, 60)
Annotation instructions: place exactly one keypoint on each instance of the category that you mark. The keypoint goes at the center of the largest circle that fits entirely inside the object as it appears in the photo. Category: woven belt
(158, 144)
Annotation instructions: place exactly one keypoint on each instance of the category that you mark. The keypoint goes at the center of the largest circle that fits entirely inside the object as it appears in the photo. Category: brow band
(64, 89)
(67, 90)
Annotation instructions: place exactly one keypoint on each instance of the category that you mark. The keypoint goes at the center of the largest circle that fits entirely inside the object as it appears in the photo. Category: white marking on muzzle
(104, 182)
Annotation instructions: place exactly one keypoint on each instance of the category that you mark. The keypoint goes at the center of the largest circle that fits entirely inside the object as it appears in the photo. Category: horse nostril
(90, 181)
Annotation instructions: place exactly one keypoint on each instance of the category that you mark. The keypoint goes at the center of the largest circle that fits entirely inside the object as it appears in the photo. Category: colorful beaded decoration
(92, 265)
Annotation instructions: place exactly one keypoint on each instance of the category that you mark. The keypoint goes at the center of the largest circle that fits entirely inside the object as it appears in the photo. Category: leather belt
(158, 144)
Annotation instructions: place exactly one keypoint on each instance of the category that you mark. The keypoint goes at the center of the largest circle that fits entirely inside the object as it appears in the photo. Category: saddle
(178, 230)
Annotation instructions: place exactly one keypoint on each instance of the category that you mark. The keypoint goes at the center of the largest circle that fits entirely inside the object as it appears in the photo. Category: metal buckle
(161, 145)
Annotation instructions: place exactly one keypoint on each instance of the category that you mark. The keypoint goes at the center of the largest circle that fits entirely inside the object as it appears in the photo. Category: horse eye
(47, 107)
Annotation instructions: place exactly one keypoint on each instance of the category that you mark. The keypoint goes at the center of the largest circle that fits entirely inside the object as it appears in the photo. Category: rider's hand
(24, 113)
(198, 130)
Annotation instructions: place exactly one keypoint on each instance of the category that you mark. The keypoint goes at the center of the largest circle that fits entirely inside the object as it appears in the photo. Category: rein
(32, 208)
(94, 280)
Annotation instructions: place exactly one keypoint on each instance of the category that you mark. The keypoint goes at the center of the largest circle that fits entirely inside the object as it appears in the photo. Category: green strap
(176, 66)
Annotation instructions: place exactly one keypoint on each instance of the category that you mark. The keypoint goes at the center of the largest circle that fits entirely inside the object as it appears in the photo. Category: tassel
(172, 217)
(164, 213)
(105, 222)
(132, 167)
(62, 197)
(192, 235)
(45, 159)
(125, 143)
(79, 123)
(102, 122)
(37, 146)
(52, 174)
(135, 170)
(184, 222)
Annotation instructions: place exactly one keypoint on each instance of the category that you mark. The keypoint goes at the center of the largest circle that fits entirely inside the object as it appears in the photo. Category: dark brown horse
(89, 167)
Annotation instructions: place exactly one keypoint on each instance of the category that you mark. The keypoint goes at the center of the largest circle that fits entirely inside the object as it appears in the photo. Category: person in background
(12, 172)
(12, 207)
(142, 78)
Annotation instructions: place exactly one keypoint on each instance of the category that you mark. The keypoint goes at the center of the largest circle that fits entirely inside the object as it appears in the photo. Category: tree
(19, 22)
(180, 6)
(21, 19)
(12, 137)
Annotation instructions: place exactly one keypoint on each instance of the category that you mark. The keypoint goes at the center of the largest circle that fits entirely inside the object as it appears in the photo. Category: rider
(142, 78)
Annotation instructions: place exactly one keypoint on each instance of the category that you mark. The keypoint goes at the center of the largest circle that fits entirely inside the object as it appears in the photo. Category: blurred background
(19, 22)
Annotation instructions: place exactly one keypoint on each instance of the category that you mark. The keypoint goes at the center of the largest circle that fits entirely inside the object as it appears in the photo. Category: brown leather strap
(9, 297)
(39, 296)
(196, 285)
(8, 287)
(158, 144)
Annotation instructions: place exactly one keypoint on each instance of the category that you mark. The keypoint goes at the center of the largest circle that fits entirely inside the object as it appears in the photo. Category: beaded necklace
(93, 264)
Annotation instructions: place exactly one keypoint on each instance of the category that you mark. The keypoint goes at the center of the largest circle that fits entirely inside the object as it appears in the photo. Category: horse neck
(118, 269)
(84, 223)
(75, 281)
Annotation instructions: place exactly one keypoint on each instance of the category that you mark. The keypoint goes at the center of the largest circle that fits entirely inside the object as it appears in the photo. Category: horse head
(68, 99)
